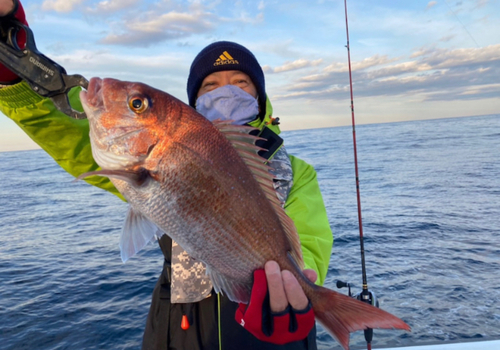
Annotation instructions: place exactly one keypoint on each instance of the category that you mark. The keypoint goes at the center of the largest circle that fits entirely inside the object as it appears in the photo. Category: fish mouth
(93, 97)
(93, 105)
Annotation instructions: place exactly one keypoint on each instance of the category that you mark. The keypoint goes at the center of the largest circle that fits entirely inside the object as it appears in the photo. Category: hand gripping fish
(204, 185)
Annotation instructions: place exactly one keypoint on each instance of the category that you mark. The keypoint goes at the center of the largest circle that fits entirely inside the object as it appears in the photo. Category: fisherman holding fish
(260, 258)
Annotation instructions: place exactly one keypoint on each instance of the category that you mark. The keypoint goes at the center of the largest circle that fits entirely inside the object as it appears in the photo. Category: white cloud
(431, 4)
(432, 74)
(155, 28)
(460, 57)
(481, 3)
(289, 66)
(447, 38)
(167, 71)
(376, 60)
(111, 6)
(60, 5)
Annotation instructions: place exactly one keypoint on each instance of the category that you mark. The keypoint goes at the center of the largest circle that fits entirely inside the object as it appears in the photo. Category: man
(225, 82)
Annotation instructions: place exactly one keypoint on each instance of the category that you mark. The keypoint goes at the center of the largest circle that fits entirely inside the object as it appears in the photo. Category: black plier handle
(43, 75)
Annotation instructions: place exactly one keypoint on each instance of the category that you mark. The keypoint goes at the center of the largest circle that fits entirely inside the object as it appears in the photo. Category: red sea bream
(204, 185)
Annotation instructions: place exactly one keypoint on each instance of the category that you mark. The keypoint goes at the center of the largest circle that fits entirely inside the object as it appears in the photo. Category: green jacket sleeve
(65, 139)
(306, 208)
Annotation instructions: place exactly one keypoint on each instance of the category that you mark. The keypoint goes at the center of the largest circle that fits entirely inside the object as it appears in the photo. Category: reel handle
(342, 284)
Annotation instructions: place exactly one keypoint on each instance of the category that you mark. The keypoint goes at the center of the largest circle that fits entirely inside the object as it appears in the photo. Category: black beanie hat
(222, 56)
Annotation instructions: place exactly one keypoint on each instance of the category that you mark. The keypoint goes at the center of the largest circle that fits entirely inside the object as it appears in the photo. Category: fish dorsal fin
(244, 143)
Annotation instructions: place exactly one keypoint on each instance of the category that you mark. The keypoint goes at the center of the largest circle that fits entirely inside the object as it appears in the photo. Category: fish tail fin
(341, 315)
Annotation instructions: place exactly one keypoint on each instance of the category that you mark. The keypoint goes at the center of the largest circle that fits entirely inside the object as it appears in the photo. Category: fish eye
(138, 104)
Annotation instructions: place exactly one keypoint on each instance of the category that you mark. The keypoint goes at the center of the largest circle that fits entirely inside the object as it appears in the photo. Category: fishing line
(463, 25)
(365, 295)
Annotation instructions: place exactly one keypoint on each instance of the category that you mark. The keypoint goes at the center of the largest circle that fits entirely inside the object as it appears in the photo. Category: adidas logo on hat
(225, 58)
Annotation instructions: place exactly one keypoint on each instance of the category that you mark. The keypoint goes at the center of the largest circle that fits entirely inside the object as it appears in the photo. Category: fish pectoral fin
(236, 291)
(133, 177)
(137, 232)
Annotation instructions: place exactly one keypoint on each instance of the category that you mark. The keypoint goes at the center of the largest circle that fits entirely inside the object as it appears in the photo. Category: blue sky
(410, 59)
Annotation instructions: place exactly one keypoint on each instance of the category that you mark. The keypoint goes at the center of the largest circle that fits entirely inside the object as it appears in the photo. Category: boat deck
(473, 345)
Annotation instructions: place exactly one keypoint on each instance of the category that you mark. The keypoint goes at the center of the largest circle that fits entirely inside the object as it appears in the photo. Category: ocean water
(430, 196)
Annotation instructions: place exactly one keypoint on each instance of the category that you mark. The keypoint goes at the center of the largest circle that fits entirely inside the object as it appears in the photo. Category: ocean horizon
(304, 129)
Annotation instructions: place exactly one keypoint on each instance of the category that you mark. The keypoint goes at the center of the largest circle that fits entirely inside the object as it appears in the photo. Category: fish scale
(189, 240)
(192, 200)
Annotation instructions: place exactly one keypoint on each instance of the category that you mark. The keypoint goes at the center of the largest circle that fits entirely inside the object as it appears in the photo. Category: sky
(410, 59)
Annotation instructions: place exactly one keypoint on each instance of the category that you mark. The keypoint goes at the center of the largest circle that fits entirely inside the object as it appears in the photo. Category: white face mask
(228, 102)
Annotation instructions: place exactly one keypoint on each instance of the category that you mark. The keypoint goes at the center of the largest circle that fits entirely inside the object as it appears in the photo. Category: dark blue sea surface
(430, 196)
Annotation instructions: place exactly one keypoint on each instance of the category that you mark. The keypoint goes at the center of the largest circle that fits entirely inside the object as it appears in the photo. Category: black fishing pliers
(43, 75)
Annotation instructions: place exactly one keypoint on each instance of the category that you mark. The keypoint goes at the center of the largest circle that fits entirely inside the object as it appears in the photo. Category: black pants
(163, 329)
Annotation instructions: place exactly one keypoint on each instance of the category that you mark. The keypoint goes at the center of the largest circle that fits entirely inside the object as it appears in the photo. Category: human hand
(284, 289)
(279, 312)
(9, 9)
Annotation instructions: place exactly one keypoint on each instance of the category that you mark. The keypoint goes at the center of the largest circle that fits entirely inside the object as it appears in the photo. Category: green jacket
(67, 141)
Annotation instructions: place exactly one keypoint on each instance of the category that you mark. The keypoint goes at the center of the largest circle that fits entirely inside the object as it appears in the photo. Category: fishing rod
(365, 295)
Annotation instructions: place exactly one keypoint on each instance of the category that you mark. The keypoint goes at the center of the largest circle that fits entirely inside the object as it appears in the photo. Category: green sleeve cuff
(18, 96)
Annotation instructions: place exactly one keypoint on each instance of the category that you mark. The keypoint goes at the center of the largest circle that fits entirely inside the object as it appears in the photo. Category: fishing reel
(366, 296)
